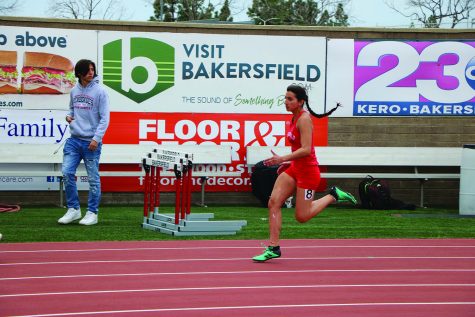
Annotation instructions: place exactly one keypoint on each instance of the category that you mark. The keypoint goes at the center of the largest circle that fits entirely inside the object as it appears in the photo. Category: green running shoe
(269, 253)
(342, 195)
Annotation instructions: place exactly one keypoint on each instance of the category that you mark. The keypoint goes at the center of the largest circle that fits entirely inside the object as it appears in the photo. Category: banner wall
(164, 88)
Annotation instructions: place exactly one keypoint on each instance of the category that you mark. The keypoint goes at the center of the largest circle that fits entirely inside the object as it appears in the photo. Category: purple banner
(395, 78)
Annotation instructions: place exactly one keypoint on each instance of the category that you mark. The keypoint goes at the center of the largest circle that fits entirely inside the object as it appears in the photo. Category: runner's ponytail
(301, 94)
(326, 114)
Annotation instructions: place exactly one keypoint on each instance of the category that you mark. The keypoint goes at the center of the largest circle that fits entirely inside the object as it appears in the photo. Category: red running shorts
(306, 178)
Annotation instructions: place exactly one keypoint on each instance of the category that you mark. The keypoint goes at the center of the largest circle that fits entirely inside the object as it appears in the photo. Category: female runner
(298, 173)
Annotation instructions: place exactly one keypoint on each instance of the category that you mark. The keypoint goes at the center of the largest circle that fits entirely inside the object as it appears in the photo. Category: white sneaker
(89, 219)
(70, 215)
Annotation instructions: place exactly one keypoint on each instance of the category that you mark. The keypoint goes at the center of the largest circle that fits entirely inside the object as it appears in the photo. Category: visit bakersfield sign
(164, 72)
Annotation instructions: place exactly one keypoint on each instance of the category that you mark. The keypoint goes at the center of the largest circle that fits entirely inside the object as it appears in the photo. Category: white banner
(37, 65)
(33, 126)
(208, 73)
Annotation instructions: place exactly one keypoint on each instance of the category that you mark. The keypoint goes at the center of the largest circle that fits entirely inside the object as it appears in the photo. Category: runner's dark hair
(301, 94)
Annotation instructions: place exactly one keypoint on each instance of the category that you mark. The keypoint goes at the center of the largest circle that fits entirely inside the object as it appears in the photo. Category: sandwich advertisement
(8, 72)
(46, 73)
(37, 65)
(42, 73)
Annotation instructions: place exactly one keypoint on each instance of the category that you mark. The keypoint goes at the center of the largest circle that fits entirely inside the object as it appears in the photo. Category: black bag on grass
(262, 181)
(376, 194)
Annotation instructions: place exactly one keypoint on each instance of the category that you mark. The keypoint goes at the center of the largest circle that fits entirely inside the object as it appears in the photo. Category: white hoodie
(89, 106)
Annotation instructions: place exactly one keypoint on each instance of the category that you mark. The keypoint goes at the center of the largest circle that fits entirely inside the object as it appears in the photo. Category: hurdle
(182, 222)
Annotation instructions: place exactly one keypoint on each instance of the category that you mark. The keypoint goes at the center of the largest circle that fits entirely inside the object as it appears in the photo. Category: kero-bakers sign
(402, 78)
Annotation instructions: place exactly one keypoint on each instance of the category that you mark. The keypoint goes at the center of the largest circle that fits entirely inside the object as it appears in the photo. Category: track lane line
(235, 272)
(244, 259)
(233, 247)
(223, 288)
(183, 309)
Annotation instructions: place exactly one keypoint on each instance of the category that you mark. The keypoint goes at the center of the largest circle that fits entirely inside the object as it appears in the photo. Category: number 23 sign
(394, 78)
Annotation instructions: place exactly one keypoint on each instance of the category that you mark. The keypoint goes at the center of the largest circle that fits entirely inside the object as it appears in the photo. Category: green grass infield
(39, 224)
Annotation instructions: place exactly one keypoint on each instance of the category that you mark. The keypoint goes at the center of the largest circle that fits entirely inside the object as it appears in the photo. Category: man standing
(88, 120)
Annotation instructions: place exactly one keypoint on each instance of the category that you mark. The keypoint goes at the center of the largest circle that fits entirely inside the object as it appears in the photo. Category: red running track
(330, 278)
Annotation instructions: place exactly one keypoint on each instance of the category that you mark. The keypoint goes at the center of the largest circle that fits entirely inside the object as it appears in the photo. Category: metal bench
(365, 157)
(44, 160)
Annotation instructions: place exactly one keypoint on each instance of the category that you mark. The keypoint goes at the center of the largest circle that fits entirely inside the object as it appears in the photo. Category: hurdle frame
(182, 222)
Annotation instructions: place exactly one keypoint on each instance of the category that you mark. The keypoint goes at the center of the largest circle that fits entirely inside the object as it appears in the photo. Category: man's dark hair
(82, 67)
(301, 94)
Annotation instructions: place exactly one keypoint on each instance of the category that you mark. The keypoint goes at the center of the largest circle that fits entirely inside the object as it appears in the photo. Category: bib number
(309, 194)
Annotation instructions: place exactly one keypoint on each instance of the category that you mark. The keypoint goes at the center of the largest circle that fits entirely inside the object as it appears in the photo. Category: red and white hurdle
(182, 165)
(182, 222)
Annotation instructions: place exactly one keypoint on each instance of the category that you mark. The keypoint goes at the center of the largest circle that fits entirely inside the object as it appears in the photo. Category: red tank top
(293, 136)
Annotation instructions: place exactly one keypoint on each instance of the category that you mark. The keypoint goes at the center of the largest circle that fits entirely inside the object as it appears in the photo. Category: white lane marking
(183, 309)
(222, 288)
(243, 259)
(235, 247)
(236, 272)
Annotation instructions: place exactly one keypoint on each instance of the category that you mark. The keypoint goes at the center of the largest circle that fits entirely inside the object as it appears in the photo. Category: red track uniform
(305, 169)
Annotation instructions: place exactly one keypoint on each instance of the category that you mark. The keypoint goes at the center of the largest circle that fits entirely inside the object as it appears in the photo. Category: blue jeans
(74, 151)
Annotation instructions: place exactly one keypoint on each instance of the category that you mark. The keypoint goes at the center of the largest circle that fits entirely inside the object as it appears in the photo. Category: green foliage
(183, 10)
(340, 18)
(298, 12)
(170, 8)
(225, 13)
(270, 12)
(189, 10)
(432, 22)
(324, 18)
(124, 223)
(304, 12)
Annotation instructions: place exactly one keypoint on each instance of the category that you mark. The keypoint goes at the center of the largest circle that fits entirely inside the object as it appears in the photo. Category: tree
(87, 9)
(340, 18)
(434, 13)
(299, 12)
(325, 18)
(304, 12)
(270, 11)
(170, 10)
(432, 22)
(225, 12)
(8, 6)
(183, 10)
(189, 10)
